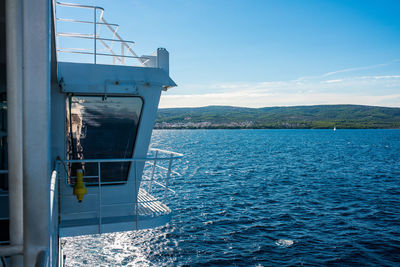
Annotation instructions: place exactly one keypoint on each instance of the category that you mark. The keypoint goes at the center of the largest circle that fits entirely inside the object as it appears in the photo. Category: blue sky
(258, 53)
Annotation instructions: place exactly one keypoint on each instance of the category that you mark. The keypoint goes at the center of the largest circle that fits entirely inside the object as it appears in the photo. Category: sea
(268, 198)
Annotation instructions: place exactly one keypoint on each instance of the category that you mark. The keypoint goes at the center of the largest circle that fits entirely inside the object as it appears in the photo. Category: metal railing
(52, 253)
(43, 258)
(144, 201)
(126, 51)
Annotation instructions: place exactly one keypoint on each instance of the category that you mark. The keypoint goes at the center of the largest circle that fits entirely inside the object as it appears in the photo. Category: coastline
(300, 117)
(254, 128)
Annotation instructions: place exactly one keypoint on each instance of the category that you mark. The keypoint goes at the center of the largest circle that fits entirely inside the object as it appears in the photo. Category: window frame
(71, 179)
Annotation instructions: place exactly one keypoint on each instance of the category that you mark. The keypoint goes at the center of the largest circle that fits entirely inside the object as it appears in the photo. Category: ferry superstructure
(75, 136)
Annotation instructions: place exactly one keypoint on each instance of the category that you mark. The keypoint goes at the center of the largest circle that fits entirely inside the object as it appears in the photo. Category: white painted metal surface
(14, 113)
(90, 79)
(36, 127)
(37, 112)
(81, 78)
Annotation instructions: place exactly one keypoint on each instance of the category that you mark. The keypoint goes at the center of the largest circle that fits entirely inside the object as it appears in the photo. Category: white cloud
(376, 66)
(334, 81)
(246, 99)
(383, 92)
(379, 90)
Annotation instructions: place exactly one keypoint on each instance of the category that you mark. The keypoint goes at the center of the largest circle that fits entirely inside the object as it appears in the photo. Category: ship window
(102, 128)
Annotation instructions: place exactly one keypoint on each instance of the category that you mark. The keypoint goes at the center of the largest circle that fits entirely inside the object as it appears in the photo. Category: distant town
(300, 117)
(203, 125)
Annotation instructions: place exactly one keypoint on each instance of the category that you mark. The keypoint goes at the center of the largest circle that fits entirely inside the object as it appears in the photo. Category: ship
(78, 107)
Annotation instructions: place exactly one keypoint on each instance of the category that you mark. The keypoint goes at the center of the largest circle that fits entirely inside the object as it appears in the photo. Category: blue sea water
(269, 198)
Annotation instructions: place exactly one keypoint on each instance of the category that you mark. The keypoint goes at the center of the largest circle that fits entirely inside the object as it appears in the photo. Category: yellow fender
(79, 189)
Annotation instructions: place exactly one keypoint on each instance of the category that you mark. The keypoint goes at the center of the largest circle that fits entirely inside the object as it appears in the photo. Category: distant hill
(299, 117)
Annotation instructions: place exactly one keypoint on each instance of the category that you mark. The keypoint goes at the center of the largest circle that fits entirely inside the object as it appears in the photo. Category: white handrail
(125, 45)
(143, 202)
(166, 151)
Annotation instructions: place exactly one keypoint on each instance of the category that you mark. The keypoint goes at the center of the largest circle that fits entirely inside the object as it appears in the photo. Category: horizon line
(288, 106)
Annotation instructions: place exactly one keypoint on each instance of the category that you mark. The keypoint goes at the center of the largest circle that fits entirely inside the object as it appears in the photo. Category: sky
(260, 53)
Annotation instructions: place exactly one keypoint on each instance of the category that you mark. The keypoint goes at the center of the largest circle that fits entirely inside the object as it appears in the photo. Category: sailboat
(76, 132)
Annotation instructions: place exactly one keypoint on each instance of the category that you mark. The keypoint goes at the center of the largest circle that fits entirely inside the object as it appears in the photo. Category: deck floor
(148, 205)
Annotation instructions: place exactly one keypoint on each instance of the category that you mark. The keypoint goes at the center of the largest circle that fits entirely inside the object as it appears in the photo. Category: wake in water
(284, 243)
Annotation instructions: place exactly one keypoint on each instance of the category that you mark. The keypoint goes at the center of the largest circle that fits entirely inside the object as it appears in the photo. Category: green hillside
(299, 117)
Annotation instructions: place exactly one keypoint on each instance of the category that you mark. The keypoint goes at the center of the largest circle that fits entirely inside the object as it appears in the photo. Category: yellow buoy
(79, 188)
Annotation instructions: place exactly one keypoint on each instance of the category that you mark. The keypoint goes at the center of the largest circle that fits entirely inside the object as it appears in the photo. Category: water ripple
(269, 198)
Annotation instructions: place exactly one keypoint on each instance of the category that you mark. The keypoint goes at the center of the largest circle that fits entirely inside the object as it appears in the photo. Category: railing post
(99, 173)
(167, 178)
(122, 53)
(94, 34)
(153, 171)
(137, 194)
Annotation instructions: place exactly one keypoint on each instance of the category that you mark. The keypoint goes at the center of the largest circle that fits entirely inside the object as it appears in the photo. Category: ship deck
(151, 212)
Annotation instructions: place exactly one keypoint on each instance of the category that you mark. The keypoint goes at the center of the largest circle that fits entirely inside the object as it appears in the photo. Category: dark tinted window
(100, 128)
